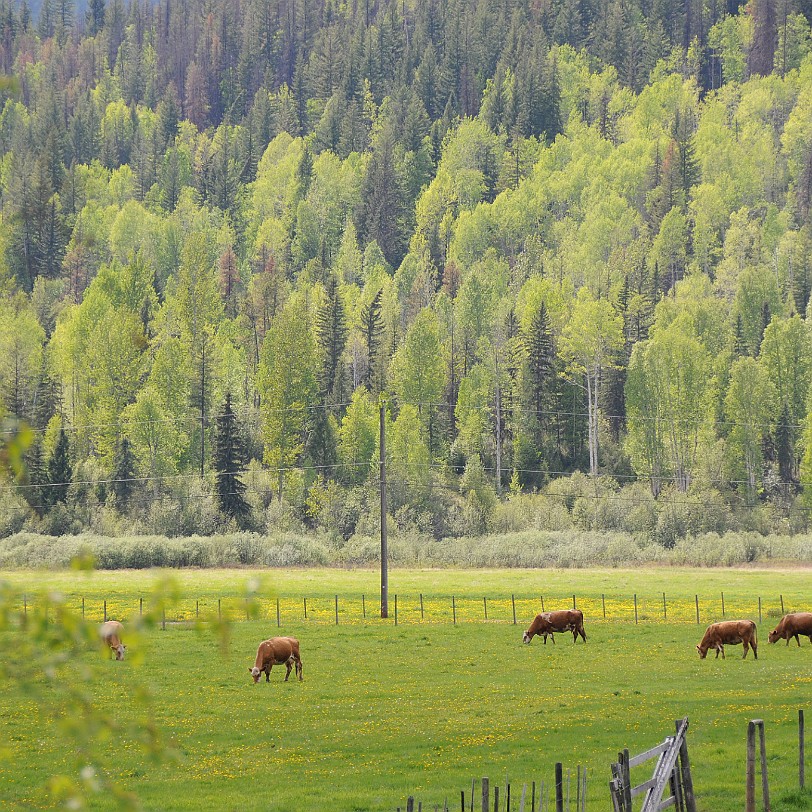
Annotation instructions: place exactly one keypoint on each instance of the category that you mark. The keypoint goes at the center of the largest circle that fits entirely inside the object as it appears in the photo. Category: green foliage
(557, 233)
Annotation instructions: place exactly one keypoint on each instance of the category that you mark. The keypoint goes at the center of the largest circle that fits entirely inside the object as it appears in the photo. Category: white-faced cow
(729, 633)
(277, 651)
(792, 625)
(110, 632)
(564, 620)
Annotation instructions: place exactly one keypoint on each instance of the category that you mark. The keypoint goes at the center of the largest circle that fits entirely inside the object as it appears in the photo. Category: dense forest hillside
(566, 242)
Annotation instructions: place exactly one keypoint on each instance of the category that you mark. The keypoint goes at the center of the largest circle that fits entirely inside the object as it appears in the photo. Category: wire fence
(416, 608)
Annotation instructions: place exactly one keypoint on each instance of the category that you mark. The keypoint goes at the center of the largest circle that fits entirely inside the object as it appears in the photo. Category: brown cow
(277, 651)
(110, 632)
(792, 625)
(729, 632)
(564, 620)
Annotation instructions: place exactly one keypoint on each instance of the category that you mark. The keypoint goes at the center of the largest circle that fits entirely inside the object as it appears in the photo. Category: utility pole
(384, 553)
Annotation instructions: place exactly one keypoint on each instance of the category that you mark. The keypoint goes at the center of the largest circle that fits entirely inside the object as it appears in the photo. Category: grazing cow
(565, 620)
(110, 632)
(277, 651)
(729, 632)
(792, 625)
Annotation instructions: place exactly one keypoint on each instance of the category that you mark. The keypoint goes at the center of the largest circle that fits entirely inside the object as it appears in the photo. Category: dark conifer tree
(765, 37)
(331, 334)
(228, 460)
(784, 448)
(372, 327)
(95, 17)
(60, 471)
(123, 474)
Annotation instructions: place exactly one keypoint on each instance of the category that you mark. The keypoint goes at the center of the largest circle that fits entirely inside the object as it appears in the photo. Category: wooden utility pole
(384, 552)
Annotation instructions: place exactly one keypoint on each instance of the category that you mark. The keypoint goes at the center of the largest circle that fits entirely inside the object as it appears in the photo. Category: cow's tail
(755, 632)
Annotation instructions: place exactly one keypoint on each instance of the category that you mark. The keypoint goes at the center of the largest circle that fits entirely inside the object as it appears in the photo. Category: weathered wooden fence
(566, 793)
(672, 772)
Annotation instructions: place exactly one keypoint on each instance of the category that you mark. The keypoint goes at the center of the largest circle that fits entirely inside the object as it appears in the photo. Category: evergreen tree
(123, 474)
(95, 17)
(228, 459)
(541, 356)
(372, 327)
(60, 471)
(784, 448)
(331, 334)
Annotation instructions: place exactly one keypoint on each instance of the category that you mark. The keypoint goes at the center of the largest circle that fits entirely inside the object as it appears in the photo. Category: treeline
(230, 231)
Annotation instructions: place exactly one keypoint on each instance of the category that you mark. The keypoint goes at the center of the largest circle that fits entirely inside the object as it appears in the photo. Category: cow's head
(703, 652)
(774, 636)
(120, 651)
(255, 673)
(527, 637)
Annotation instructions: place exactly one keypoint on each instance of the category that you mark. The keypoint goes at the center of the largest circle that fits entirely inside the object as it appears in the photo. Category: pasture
(422, 708)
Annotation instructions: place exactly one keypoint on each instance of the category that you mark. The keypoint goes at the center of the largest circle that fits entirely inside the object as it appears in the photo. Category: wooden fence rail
(672, 771)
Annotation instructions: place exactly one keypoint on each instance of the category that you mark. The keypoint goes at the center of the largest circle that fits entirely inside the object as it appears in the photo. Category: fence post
(396, 609)
(421, 606)
(635, 608)
(801, 748)
(723, 604)
(603, 601)
(559, 788)
(685, 771)
(454, 609)
(278, 614)
(782, 604)
(627, 781)
(486, 800)
(573, 602)
(765, 789)
(305, 608)
(485, 604)
(533, 798)
(665, 608)
(542, 603)
(750, 784)
(513, 601)
(219, 610)
(83, 607)
(163, 620)
(105, 610)
(410, 804)
(696, 600)
(364, 606)
(336, 610)
(140, 606)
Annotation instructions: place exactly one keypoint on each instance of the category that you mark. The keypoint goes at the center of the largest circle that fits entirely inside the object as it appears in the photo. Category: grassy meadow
(422, 708)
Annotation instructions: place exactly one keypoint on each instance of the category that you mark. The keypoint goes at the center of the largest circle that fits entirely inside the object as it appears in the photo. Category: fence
(566, 793)
(672, 771)
(423, 608)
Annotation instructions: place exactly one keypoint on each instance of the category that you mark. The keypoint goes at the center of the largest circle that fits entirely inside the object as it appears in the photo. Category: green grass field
(422, 708)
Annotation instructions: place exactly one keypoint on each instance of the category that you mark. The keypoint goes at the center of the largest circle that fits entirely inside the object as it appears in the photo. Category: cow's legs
(268, 673)
(287, 673)
(299, 669)
(746, 649)
(797, 640)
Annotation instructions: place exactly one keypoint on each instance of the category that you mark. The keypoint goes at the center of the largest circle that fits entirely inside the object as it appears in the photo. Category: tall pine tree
(228, 459)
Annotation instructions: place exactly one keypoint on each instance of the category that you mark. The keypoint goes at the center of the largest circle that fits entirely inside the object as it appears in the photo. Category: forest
(565, 245)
